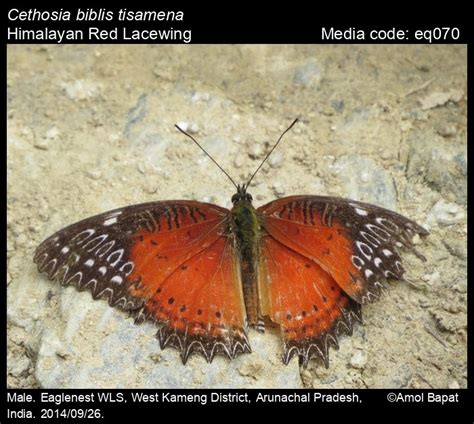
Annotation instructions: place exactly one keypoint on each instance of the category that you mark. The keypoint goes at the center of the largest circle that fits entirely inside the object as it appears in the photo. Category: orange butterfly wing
(321, 257)
(169, 262)
(198, 304)
(305, 301)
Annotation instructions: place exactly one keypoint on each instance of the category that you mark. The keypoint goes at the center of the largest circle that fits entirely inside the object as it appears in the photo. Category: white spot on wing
(89, 262)
(102, 270)
(65, 249)
(361, 212)
(110, 221)
(387, 252)
(116, 279)
(116, 213)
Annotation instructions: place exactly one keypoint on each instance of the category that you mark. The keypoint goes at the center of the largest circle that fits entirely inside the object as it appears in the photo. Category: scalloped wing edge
(187, 344)
(319, 347)
(119, 298)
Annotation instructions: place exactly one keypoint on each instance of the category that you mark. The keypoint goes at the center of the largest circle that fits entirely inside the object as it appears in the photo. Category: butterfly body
(246, 230)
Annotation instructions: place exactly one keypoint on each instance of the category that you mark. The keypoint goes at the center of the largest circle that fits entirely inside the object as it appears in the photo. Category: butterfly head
(241, 195)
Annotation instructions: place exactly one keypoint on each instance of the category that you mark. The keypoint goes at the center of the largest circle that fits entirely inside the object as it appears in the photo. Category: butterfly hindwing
(200, 305)
(307, 303)
(143, 258)
(354, 242)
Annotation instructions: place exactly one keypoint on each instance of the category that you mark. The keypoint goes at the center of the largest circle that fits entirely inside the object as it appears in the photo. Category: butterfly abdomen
(246, 230)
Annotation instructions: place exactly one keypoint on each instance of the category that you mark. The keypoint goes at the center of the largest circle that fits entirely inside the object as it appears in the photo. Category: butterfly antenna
(209, 156)
(270, 152)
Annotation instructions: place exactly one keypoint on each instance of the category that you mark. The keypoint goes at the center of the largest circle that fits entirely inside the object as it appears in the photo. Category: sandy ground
(90, 128)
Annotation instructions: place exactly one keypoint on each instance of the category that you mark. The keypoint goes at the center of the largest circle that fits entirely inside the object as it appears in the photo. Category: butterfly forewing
(170, 262)
(356, 243)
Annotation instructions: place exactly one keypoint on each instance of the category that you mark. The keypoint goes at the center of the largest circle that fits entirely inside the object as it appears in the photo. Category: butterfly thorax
(246, 231)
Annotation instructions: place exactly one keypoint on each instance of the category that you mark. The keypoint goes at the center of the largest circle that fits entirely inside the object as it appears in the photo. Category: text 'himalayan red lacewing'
(205, 274)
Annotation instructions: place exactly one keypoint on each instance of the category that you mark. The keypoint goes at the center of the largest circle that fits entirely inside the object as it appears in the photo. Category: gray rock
(52, 133)
(81, 89)
(357, 117)
(309, 74)
(358, 360)
(394, 377)
(436, 99)
(217, 147)
(448, 176)
(460, 287)
(461, 160)
(445, 213)
(256, 151)
(26, 303)
(331, 379)
(200, 97)
(238, 161)
(401, 377)
(338, 105)
(447, 322)
(94, 174)
(45, 142)
(453, 384)
(98, 346)
(276, 159)
(42, 144)
(278, 189)
(456, 247)
(446, 130)
(365, 180)
(191, 128)
(183, 125)
(442, 165)
(17, 367)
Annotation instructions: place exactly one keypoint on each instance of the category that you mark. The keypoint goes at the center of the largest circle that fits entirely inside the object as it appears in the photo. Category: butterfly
(206, 274)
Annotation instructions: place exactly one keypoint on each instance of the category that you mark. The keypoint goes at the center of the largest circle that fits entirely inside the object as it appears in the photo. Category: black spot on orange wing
(307, 303)
(213, 320)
